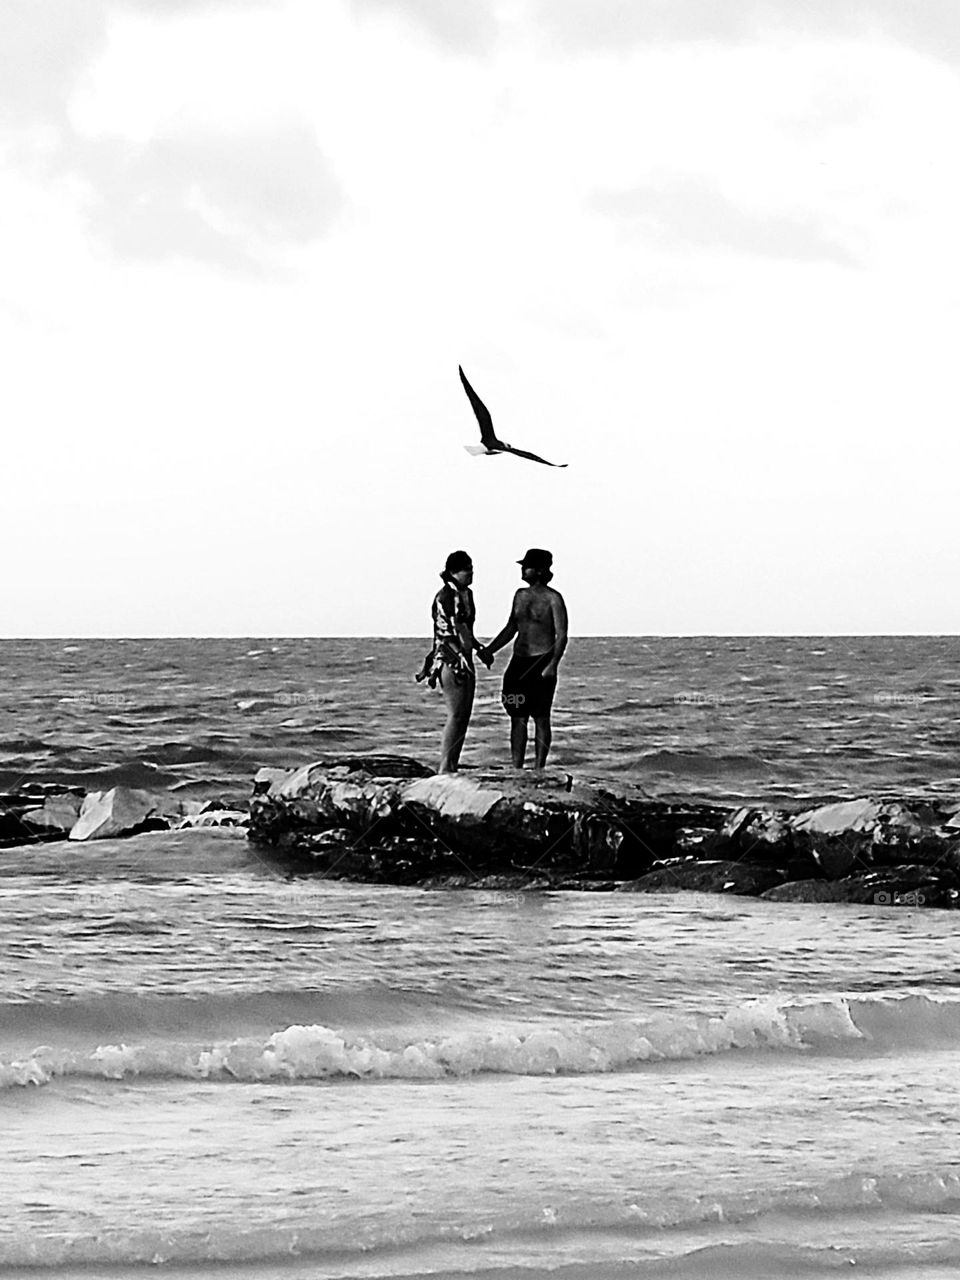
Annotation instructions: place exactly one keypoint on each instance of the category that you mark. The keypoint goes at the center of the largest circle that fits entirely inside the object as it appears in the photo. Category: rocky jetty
(388, 819)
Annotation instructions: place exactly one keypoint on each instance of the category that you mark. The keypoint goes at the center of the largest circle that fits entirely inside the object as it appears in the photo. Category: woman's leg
(459, 700)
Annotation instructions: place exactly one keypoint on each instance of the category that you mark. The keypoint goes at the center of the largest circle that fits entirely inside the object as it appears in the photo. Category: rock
(586, 885)
(267, 777)
(915, 886)
(14, 829)
(214, 818)
(834, 819)
(58, 813)
(119, 811)
(448, 882)
(491, 821)
(838, 836)
(912, 833)
(736, 821)
(696, 842)
(765, 834)
(806, 891)
(706, 877)
(512, 884)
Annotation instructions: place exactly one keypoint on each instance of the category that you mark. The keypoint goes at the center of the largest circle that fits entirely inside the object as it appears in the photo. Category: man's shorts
(526, 691)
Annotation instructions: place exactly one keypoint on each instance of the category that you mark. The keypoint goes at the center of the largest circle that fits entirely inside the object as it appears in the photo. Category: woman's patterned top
(452, 610)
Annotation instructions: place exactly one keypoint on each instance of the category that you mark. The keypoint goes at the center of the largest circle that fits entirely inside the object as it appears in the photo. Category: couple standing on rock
(538, 619)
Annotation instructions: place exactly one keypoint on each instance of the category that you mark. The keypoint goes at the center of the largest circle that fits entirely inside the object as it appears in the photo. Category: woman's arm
(508, 632)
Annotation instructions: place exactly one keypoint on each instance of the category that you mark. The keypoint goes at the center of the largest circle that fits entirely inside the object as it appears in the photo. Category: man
(538, 619)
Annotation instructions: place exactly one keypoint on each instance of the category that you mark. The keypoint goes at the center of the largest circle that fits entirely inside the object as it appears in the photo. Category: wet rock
(735, 823)
(447, 882)
(838, 837)
(586, 885)
(706, 877)
(766, 835)
(696, 842)
(914, 833)
(214, 818)
(514, 884)
(14, 829)
(914, 886)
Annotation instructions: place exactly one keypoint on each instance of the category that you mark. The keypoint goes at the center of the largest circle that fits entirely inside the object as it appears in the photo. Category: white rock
(832, 819)
(113, 812)
(453, 795)
(273, 777)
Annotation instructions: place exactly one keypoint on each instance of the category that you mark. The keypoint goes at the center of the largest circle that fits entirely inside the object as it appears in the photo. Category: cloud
(44, 48)
(46, 45)
(688, 211)
(929, 26)
(462, 27)
(227, 200)
(220, 198)
(164, 8)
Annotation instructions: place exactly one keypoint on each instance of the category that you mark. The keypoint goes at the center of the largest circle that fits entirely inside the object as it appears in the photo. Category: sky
(703, 251)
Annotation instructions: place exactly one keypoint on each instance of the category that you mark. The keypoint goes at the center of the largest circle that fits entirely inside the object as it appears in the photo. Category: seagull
(489, 442)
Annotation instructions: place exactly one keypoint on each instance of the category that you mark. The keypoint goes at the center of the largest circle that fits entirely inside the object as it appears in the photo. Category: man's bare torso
(534, 613)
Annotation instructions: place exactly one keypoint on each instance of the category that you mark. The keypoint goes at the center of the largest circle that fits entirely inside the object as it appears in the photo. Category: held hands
(485, 656)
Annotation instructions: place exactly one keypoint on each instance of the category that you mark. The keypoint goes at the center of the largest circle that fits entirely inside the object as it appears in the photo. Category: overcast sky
(704, 251)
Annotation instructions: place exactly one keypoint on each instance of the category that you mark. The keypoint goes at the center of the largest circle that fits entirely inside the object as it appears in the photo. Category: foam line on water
(524, 1231)
(312, 1051)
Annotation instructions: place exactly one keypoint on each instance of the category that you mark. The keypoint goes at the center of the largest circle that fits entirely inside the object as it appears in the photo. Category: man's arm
(507, 634)
(559, 611)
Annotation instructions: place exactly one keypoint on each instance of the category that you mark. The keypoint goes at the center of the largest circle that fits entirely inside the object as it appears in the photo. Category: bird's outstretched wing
(522, 453)
(487, 433)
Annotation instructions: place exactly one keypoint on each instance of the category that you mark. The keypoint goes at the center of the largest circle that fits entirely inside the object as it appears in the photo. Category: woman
(450, 661)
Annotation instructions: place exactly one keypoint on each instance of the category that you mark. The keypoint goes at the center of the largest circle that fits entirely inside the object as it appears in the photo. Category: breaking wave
(306, 1052)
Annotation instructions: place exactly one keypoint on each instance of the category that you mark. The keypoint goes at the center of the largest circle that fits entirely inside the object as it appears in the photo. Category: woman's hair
(456, 561)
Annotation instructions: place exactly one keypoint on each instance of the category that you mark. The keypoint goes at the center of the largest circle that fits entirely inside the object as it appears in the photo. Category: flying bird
(489, 443)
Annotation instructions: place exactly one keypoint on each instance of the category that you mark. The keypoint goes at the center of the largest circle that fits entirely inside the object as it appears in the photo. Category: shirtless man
(538, 619)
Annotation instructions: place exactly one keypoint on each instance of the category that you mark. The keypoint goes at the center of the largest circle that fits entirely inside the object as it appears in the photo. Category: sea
(210, 1067)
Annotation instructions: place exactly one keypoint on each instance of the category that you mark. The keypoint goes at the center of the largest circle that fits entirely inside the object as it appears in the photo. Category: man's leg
(543, 736)
(459, 700)
(518, 740)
